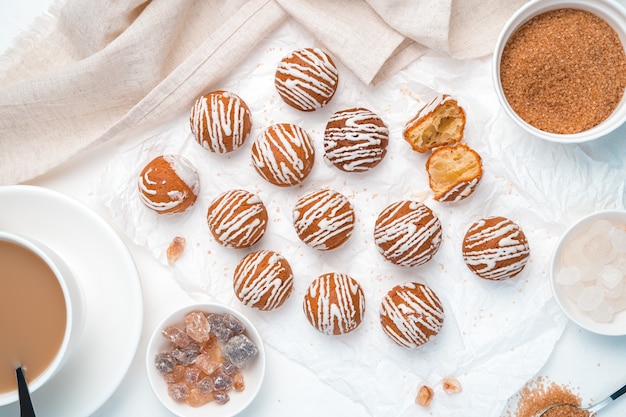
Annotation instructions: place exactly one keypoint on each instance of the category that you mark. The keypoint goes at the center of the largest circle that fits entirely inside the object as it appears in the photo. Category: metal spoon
(590, 410)
(26, 405)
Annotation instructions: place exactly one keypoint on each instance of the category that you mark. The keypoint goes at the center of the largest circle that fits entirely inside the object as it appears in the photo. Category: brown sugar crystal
(175, 249)
(564, 71)
(424, 396)
(541, 393)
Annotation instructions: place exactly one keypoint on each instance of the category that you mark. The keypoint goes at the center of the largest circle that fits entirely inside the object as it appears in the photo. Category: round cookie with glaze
(323, 219)
(334, 304)
(306, 79)
(220, 121)
(411, 314)
(263, 280)
(237, 219)
(355, 140)
(407, 233)
(168, 184)
(495, 248)
(283, 154)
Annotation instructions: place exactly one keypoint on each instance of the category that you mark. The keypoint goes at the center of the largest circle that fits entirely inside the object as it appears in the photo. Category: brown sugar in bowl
(553, 82)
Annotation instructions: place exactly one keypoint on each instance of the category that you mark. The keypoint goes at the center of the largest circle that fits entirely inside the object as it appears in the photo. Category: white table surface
(583, 360)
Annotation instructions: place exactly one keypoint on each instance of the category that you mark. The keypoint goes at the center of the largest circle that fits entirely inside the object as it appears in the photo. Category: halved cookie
(454, 172)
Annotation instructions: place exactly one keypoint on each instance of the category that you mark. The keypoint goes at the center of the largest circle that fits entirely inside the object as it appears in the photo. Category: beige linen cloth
(89, 71)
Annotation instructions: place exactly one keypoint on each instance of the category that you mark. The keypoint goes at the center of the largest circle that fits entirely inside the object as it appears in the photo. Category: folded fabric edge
(34, 32)
(407, 52)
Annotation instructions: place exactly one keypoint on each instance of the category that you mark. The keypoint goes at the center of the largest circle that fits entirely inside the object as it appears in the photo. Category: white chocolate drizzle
(237, 218)
(263, 280)
(355, 140)
(334, 303)
(283, 154)
(495, 251)
(307, 78)
(322, 217)
(460, 191)
(409, 239)
(218, 121)
(415, 312)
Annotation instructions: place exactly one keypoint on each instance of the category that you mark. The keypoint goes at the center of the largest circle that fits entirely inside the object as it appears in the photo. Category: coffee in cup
(41, 313)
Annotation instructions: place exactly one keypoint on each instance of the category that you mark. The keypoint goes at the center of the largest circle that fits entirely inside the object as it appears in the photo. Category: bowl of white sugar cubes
(588, 272)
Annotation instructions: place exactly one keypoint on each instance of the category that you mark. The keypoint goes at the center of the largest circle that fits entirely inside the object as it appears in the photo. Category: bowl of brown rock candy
(205, 359)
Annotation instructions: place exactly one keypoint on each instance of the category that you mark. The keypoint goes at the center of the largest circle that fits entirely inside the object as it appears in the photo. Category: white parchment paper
(496, 335)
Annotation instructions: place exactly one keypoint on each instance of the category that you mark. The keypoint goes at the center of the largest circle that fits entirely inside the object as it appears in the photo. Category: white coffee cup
(74, 309)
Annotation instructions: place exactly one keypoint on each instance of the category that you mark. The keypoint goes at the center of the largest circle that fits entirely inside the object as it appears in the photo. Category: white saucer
(111, 286)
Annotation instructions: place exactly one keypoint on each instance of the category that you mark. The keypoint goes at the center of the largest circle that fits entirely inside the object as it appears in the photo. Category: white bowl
(608, 10)
(617, 327)
(74, 309)
(253, 373)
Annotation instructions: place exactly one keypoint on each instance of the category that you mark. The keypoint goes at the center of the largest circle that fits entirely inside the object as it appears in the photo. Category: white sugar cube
(602, 314)
(614, 292)
(617, 236)
(572, 252)
(598, 249)
(569, 275)
(590, 298)
(600, 227)
(618, 304)
(610, 276)
(620, 262)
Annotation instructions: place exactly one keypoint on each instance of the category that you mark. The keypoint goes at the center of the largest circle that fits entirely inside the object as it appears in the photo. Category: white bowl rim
(180, 408)
(610, 11)
(605, 329)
